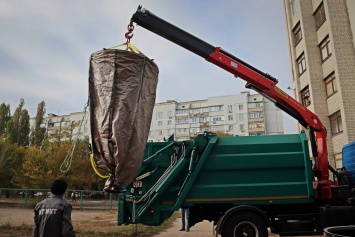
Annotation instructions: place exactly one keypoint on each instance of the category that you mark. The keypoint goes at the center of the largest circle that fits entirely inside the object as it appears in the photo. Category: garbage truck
(245, 185)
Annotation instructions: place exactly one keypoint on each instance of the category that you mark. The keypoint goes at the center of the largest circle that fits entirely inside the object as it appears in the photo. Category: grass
(99, 226)
(7, 230)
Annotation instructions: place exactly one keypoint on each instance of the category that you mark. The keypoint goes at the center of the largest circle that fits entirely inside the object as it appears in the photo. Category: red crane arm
(269, 89)
(257, 80)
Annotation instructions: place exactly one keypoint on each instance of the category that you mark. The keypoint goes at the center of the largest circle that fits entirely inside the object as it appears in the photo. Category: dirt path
(104, 219)
(88, 220)
(19, 216)
(203, 229)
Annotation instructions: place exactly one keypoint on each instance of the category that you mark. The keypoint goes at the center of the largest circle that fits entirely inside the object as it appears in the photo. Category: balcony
(258, 109)
(254, 120)
(256, 130)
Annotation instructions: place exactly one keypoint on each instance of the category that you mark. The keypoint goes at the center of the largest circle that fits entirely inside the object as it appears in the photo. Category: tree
(81, 174)
(34, 171)
(24, 129)
(42, 165)
(18, 127)
(5, 115)
(38, 133)
(224, 134)
(11, 157)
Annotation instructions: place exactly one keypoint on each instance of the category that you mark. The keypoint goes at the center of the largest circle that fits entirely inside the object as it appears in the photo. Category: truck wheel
(245, 224)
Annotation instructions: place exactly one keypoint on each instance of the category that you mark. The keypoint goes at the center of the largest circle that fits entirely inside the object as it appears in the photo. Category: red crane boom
(261, 82)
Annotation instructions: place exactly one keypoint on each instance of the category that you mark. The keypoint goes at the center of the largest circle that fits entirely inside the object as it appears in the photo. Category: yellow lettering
(284, 94)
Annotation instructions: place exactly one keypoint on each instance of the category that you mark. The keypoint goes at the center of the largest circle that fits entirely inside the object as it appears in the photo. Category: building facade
(321, 45)
(74, 125)
(244, 114)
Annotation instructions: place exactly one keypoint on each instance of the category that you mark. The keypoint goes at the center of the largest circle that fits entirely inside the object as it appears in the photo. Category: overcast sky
(45, 46)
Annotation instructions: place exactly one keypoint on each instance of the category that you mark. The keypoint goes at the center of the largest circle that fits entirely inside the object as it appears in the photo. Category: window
(256, 125)
(205, 109)
(305, 96)
(170, 132)
(336, 124)
(170, 114)
(181, 121)
(256, 134)
(182, 111)
(230, 117)
(195, 111)
(294, 6)
(255, 105)
(319, 15)
(160, 114)
(256, 115)
(230, 108)
(241, 117)
(324, 48)
(330, 84)
(240, 107)
(217, 128)
(170, 122)
(160, 132)
(230, 127)
(183, 130)
(241, 127)
(213, 119)
(160, 123)
(301, 61)
(297, 33)
(194, 120)
(216, 108)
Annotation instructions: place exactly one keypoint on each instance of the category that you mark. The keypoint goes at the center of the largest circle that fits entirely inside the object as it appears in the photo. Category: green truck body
(213, 174)
(266, 178)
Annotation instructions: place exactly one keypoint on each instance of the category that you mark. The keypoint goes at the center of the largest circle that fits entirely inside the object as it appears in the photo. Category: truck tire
(245, 224)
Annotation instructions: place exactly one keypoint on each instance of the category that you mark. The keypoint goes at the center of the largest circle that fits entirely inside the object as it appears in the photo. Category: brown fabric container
(122, 92)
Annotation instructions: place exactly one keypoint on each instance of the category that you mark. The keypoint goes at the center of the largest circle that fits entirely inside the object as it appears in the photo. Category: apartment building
(321, 45)
(244, 114)
(74, 125)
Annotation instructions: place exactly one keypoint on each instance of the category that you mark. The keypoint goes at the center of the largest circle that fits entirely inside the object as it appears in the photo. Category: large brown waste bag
(122, 92)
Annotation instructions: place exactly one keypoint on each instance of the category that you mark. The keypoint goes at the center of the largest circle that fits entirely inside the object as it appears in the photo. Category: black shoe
(187, 230)
(182, 229)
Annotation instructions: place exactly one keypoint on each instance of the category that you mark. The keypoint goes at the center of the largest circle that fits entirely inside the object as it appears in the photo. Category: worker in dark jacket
(53, 215)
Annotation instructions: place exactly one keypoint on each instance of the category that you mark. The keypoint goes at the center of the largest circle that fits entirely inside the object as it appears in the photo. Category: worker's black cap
(58, 187)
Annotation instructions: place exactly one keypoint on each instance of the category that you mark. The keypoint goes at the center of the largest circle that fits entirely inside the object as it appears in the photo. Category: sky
(45, 48)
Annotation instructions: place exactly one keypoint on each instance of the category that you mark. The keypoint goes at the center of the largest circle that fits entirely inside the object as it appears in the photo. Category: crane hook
(129, 34)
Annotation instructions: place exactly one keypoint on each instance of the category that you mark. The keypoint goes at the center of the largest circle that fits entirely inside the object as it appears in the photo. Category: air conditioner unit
(230, 111)
(170, 117)
(242, 130)
(214, 121)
